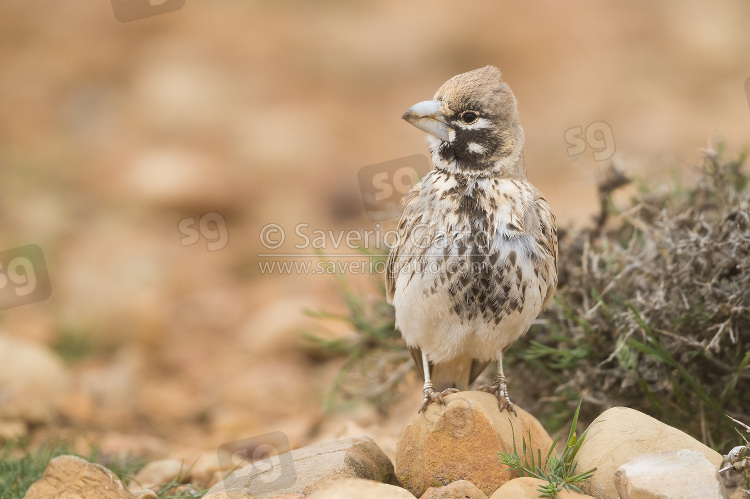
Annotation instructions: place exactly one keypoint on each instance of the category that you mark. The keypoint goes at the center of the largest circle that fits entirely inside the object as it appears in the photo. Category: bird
(474, 260)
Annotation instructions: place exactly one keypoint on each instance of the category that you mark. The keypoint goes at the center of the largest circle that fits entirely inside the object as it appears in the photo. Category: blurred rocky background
(116, 139)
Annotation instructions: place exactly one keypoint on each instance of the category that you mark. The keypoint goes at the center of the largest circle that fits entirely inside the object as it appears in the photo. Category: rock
(274, 328)
(302, 470)
(161, 472)
(78, 478)
(462, 489)
(232, 494)
(79, 406)
(204, 467)
(669, 475)
(460, 441)
(177, 177)
(201, 469)
(527, 488)
(618, 435)
(144, 494)
(384, 433)
(11, 430)
(244, 495)
(359, 488)
(33, 381)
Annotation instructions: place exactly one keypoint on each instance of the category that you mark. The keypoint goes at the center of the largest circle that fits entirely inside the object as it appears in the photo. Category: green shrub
(653, 307)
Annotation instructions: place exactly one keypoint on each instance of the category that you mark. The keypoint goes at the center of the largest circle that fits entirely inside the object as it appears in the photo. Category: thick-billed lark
(476, 257)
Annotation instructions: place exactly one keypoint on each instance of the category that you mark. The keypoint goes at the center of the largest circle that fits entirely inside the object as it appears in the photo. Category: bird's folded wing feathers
(546, 239)
(393, 266)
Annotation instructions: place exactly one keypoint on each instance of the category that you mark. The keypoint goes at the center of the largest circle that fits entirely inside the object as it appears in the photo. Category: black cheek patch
(445, 151)
(484, 137)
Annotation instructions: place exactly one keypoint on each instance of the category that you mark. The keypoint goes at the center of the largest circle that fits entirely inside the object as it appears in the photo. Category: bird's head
(473, 126)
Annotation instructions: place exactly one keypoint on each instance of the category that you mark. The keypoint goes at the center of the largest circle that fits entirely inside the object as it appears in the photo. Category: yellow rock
(528, 488)
(160, 472)
(361, 489)
(78, 478)
(462, 489)
(460, 441)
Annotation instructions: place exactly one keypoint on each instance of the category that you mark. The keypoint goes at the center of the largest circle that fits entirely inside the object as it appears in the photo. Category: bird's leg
(430, 395)
(500, 389)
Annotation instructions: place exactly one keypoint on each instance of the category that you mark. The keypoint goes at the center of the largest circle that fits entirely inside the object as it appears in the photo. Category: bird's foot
(430, 396)
(500, 389)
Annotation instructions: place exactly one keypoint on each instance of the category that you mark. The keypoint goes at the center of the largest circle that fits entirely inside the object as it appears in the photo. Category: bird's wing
(402, 245)
(546, 239)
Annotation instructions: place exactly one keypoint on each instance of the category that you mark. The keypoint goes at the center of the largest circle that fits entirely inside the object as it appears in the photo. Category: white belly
(426, 315)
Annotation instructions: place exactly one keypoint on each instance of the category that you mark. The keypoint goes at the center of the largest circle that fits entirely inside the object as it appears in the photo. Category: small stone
(79, 406)
(384, 433)
(33, 381)
(303, 470)
(144, 494)
(160, 472)
(78, 478)
(528, 488)
(669, 475)
(230, 494)
(460, 441)
(462, 489)
(273, 329)
(176, 176)
(359, 488)
(11, 430)
(204, 467)
(237, 494)
(618, 435)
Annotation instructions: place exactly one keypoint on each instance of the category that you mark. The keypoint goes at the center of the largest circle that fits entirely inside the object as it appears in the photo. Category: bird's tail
(457, 373)
(452, 374)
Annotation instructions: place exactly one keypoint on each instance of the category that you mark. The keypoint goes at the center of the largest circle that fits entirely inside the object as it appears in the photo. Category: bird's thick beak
(425, 116)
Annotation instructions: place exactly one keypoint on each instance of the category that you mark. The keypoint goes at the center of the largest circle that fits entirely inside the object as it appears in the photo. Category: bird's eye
(469, 117)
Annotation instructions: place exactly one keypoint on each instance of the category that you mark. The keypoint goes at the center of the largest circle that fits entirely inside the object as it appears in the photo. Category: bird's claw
(500, 390)
(430, 396)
